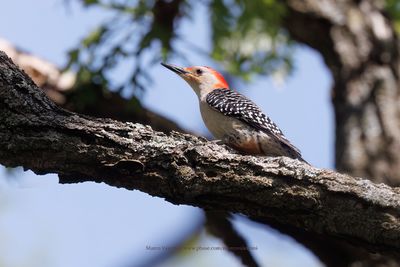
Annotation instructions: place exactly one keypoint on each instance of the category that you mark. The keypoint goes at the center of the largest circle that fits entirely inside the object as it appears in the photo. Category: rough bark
(360, 47)
(184, 169)
(89, 98)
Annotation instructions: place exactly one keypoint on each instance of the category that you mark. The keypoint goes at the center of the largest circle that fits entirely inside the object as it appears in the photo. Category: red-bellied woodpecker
(233, 118)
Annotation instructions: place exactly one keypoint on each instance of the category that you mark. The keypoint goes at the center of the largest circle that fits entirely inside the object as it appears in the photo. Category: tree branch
(63, 88)
(184, 169)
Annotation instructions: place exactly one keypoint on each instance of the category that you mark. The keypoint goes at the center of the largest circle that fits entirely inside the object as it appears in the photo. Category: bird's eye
(199, 72)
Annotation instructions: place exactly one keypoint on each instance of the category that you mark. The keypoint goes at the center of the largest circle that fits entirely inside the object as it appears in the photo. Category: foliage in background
(246, 39)
(393, 9)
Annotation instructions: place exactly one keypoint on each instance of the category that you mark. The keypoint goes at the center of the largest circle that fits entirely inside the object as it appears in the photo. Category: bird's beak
(177, 70)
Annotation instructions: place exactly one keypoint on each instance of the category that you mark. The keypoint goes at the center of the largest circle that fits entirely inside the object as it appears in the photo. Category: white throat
(202, 90)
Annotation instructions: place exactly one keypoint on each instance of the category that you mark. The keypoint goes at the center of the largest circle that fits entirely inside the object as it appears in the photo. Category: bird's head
(202, 79)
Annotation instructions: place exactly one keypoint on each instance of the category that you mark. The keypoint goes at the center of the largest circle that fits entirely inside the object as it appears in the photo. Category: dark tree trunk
(361, 49)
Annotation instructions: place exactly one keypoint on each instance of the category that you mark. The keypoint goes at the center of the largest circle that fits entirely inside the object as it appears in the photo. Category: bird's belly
(239, 135)
(218, 124)
(231, 131)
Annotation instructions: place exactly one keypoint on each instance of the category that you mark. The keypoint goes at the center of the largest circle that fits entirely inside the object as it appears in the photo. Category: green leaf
(90, 2)
(94, 37)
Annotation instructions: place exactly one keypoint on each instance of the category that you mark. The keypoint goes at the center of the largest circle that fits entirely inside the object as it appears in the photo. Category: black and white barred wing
(233, 104)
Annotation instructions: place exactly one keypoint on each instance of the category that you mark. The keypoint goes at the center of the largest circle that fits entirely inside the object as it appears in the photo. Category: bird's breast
(239, 135)
(217, 123)
(231, 131)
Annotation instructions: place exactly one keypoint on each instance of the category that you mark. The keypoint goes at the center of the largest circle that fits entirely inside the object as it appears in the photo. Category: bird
(232, 118)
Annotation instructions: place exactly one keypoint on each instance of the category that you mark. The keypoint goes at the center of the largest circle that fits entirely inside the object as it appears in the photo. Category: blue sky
(43, 223)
